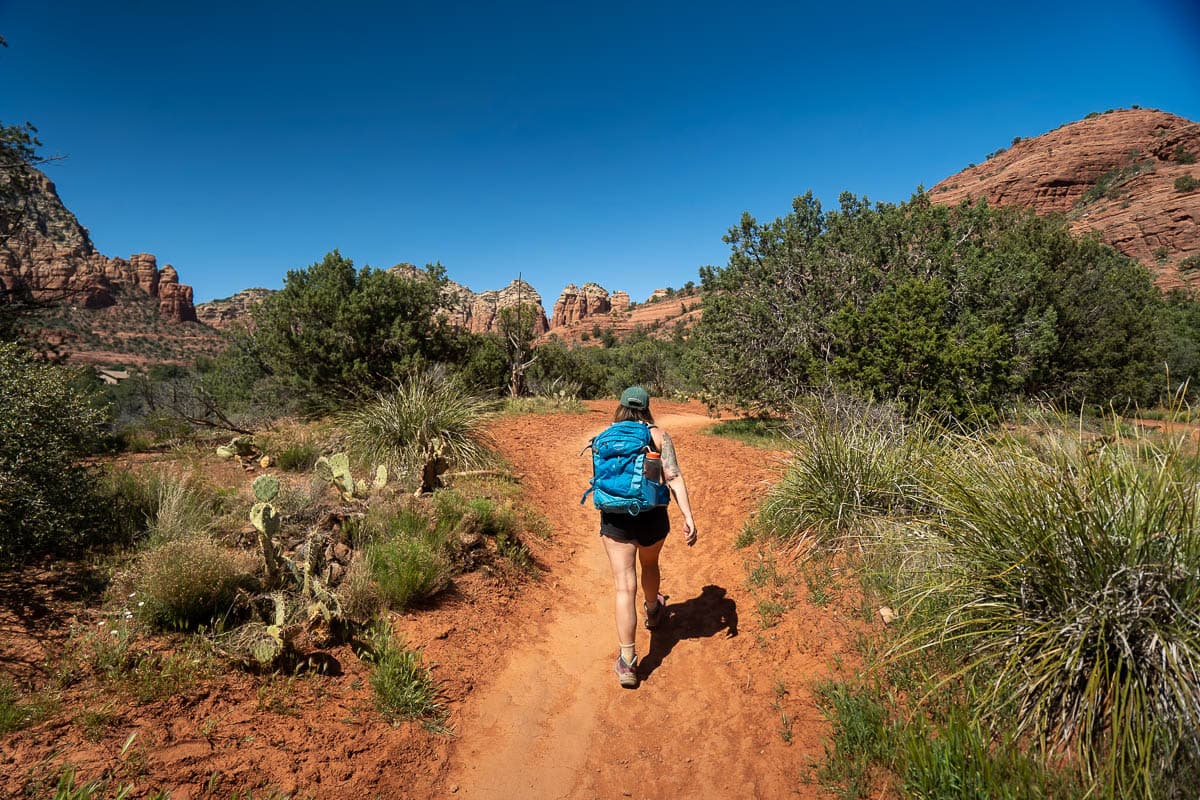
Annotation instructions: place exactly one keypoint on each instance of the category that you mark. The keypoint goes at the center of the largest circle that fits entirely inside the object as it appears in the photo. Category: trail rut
(718, 687)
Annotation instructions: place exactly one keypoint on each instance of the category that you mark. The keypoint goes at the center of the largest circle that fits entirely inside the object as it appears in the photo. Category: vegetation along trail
(724, 709)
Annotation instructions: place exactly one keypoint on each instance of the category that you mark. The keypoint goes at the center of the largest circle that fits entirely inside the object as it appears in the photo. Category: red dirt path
(555, 724)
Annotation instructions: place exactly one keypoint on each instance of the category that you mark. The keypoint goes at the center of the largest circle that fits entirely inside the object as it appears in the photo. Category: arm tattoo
(670, 461)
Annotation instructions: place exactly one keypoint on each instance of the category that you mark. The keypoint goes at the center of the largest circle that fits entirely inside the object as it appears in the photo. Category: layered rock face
(1114, 173)
(50, 257)
(484, 313)
(575, 304)
(229, 311)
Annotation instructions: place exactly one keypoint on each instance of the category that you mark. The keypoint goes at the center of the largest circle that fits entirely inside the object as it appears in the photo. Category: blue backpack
(618, 476)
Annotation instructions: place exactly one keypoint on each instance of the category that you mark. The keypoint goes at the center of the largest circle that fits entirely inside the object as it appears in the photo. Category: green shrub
(47, 500)
(1073, 579)
(404, 688)
(130, 502)
(1187, 183)
(764, 432)
(1181, 155)
(189, 582)
(298, 457)
(1190, 263)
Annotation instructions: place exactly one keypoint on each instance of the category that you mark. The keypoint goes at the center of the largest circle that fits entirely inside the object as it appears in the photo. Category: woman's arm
(674, 477)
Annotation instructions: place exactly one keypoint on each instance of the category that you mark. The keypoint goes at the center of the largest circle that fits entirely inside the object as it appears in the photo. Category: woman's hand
(689, 530)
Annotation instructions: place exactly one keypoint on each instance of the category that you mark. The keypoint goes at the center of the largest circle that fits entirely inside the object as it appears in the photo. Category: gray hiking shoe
(653, 618)
(626, 673)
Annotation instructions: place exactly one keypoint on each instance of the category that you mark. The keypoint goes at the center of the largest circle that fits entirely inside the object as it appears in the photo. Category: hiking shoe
(627, 673)
(653, 618)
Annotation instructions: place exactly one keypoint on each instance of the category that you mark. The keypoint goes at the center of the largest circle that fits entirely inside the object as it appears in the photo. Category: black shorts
(645, 529)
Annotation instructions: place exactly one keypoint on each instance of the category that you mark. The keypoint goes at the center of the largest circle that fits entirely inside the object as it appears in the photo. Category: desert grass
(191, 581)
(404, 687)
(1072, 576)
(855, 463)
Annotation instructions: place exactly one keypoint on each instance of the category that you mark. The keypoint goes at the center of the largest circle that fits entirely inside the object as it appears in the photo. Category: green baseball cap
(635, 397)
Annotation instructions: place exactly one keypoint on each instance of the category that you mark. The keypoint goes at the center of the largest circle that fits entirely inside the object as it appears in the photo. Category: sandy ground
(705, 722)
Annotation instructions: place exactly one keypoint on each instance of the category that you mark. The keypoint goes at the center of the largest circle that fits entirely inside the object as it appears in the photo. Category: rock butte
(1137, 153)
(50, 257)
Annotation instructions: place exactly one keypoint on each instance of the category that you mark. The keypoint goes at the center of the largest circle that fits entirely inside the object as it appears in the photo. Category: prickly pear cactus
(265, 518)
(225, 452)
(266, 487)
(336, 470)
(381, 477)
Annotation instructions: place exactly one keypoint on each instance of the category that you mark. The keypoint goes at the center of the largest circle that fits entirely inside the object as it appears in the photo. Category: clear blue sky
(613, 142)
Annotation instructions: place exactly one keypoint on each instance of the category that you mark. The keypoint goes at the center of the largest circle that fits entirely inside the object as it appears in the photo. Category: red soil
(526, 668)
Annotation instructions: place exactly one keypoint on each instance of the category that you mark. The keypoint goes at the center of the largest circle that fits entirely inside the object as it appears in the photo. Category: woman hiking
(632, 537)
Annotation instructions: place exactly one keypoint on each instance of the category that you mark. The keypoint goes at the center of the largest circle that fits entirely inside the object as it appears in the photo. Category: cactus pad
(265, 518)
(266, 487)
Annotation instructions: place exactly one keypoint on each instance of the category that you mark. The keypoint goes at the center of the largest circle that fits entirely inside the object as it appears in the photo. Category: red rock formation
(484, 315)
(50, 257)
(576, 305)
(233, 310)
(1113, 173)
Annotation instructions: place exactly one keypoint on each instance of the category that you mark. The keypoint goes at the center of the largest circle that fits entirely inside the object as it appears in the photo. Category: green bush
(1073, 578)
(47, 500)
(404, 688)
(298, 457)
(189, 582)
(1187, 183)
(953, 311)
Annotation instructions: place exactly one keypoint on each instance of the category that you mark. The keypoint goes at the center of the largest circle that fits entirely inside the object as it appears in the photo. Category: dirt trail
(707, 720)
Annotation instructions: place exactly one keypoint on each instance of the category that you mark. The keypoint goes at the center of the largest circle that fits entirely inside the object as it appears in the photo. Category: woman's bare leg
(623, 560)
(651, 577)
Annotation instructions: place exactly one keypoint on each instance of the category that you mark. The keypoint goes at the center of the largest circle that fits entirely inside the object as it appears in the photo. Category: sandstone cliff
(50, 257)
(575, 304)
(228, 311)
(1114, 173)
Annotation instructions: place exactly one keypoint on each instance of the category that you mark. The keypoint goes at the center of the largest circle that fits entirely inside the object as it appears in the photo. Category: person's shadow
(700, 617)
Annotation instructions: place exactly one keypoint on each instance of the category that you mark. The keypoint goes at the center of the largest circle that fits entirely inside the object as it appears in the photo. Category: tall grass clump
(183, 509)
(190, 581)
(409, 559)
(404, 688)
(855, 463)
(1072, 576)
(421, 427)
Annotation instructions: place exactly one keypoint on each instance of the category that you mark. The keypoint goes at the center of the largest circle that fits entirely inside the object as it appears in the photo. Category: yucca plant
(854, 463)
(1072, 576)
(421, 426)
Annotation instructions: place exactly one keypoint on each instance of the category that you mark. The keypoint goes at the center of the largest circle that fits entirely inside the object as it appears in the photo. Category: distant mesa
(49, 257)
(1118, 173)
